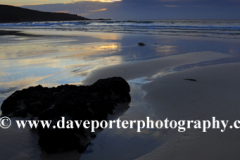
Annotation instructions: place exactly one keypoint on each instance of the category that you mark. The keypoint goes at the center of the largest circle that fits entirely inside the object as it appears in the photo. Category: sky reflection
(50, 61)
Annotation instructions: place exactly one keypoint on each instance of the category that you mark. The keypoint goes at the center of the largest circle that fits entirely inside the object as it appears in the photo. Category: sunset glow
(41, 2)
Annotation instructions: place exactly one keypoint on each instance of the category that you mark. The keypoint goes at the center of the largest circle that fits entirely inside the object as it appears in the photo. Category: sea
(203, 28)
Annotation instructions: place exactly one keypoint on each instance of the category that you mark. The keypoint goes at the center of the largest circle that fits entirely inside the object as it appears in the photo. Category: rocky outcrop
(72, 102)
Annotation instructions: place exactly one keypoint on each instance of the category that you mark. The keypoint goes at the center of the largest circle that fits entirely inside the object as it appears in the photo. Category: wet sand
(215, 93)
(156, 74)
(152, 68)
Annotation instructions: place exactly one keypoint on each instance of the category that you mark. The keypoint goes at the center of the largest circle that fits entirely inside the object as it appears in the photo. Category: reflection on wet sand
(19, 83)
(99, 35)
(52, 61)
(166, 49)
(87, 51)
(2, 73)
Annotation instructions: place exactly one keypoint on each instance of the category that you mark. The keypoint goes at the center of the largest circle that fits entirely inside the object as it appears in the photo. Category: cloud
(103, 1)
(108, 1)
(62, 11)
(42, 2)
(30, 4)
(103, 9)
(171, 6)
(179, 0)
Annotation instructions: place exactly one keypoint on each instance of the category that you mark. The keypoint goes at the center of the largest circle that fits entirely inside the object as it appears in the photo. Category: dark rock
(190, 79)
(72, 102)
(141, 44)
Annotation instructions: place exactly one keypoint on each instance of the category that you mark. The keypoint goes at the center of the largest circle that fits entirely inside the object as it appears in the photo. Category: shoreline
(96, 34)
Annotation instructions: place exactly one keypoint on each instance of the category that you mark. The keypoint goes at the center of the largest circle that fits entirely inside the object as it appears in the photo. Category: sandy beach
(158, 75)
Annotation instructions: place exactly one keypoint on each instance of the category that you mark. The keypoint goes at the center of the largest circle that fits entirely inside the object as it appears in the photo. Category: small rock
(141, 44)
(190, 79)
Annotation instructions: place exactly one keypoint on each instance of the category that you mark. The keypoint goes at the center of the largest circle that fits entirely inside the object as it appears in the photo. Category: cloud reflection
(50, 62)
(166, 49)
(89, 50)
(20, 83)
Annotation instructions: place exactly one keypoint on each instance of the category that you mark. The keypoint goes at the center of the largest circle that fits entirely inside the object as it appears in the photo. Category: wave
(215, 28)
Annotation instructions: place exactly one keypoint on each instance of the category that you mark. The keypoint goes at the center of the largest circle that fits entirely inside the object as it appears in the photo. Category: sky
(137, 9)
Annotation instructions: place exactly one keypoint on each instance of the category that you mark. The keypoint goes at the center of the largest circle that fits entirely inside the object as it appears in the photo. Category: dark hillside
(17, 14)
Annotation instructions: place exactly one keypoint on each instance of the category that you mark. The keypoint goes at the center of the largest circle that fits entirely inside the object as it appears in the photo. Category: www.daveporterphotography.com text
(139, 125)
